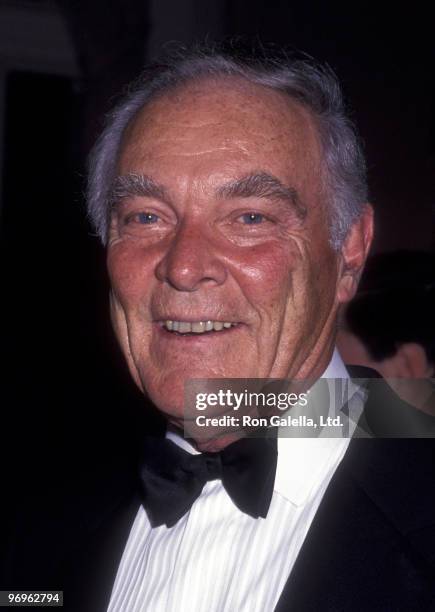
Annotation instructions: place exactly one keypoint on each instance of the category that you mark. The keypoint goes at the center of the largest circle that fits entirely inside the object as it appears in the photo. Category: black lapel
(371, 543)
(357, 554)
(90, 566)
(72, 537)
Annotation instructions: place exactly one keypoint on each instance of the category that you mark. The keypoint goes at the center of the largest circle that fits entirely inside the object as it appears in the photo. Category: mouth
(196, 328)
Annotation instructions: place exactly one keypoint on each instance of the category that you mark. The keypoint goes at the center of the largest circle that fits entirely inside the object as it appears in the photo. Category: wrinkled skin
(199, 258)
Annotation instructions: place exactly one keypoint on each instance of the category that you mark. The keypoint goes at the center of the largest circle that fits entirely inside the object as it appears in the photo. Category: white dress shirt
(218, 559)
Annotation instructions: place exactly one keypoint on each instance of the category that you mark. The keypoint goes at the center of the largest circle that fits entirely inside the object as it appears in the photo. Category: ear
(354, 254)
(413, 361)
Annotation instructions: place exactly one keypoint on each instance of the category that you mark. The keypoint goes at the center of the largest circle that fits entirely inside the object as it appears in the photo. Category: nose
(191, 261)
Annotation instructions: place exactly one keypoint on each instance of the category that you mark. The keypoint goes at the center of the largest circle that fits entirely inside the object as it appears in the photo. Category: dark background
(66, 393)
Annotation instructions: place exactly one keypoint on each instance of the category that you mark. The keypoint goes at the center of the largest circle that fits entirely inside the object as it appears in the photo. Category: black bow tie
(172, 478)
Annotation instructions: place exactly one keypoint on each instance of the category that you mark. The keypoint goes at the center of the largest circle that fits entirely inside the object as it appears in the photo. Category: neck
(216, 436)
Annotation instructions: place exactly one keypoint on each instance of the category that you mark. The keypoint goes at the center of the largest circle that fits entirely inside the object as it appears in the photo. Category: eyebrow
(258, 184)
(131, 184)
(263, 185)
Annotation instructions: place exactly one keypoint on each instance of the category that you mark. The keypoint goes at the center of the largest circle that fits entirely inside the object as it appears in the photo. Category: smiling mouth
(196, 327)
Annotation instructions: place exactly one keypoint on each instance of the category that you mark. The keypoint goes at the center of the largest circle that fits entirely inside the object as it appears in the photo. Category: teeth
(184, 327)
(197, 327)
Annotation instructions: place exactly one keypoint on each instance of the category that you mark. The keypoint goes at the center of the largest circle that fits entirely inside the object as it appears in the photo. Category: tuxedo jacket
(371, 545)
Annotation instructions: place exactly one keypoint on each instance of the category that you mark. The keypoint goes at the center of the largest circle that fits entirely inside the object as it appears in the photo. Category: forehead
(228, 122)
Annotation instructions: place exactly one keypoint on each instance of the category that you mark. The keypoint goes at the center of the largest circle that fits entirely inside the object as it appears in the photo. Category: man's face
(227, 224)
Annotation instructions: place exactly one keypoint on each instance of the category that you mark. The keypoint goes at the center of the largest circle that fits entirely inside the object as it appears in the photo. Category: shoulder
(385, 414)
(45, 527)
(398, 476)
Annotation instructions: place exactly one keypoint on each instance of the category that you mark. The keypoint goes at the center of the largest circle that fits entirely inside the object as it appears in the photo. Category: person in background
(389, 325)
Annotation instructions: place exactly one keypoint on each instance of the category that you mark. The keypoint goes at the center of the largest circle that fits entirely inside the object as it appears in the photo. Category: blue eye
(252, 218)
(147, 218)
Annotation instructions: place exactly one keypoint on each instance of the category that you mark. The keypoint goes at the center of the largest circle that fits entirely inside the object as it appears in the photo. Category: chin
(168, 393)
(169, 399)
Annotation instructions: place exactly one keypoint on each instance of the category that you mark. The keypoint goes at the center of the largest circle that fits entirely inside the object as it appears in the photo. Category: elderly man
(231, 196)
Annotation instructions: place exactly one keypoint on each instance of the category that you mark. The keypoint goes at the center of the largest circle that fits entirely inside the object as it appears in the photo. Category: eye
(147, 218)
(252, 218)
(143, 218)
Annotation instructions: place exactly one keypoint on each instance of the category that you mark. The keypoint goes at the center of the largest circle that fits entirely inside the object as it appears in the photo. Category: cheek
(317, 269)
(312, 280)
(130, 273)
(264, 274)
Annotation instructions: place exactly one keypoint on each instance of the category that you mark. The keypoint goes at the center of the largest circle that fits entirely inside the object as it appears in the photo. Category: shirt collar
(178, 439)
(336, 367)
(304, 463)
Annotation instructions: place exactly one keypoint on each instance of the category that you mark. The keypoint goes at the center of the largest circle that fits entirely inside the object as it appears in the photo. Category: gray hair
(312, 85)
